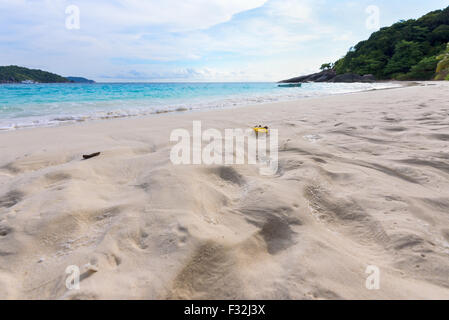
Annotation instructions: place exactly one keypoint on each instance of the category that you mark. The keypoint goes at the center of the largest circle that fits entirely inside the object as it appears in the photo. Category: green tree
(18, 74)
(406, 55)
(440, 34)
(397, 49)
(424, 70)
(442, 69)
(326, 66)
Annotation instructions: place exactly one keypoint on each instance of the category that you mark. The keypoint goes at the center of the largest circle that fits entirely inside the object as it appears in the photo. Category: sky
(191, 40)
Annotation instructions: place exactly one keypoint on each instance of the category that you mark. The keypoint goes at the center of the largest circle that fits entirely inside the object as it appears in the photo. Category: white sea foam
(25, 114)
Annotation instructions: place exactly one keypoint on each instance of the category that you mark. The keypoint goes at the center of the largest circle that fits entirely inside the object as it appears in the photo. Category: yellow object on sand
(260, 130)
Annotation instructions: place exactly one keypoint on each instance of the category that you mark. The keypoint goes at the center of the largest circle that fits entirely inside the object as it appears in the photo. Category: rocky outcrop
(331, 76)
(350, 77)
(369, 78)
(315, 77)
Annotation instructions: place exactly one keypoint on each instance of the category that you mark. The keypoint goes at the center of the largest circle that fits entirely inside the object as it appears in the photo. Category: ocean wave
(31, 114)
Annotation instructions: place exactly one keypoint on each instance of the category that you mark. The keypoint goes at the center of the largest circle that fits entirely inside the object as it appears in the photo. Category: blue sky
(191, 40)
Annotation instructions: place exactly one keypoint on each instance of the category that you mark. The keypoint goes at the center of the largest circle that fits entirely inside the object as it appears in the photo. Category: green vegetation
(326, 66)
(408, 50)
(423, 70)
(15, 74)
(443, 65)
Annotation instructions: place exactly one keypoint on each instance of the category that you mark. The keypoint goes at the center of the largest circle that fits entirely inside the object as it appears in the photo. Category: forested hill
(15, 74)
(408, 50)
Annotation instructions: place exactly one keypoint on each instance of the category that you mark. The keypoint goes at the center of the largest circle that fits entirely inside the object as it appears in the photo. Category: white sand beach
(363, 181)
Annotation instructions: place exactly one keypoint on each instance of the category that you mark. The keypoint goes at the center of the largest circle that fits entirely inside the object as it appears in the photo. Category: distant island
(80, 80)
(16, 74)
(408, 50)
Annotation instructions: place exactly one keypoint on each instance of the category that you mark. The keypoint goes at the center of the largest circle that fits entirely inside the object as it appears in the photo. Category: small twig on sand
(89, 156)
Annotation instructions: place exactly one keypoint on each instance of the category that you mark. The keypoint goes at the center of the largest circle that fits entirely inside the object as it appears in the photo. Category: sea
(37, 105)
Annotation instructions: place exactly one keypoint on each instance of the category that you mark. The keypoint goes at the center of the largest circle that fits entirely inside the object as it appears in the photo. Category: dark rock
(326, 77)
(369, 78)
(295, 80)
(322, 76)
(347, 78)
(331, 76)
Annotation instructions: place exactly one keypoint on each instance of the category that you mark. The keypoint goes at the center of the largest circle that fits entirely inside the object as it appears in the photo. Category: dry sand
(363, 180)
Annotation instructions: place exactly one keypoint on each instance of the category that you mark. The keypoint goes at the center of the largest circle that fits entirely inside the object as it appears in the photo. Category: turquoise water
(29, 105)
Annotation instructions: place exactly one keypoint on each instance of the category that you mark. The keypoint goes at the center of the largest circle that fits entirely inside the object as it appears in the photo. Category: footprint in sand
(11, 199)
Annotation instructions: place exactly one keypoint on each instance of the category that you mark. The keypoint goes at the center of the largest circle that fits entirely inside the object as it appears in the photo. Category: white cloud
(295, 9)
(171, 39)
(178, 15)
(117, 14)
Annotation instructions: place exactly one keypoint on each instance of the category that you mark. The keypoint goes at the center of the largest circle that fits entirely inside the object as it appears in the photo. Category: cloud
(145, 40)
(295, 9)
(174, 15)
(181, 39)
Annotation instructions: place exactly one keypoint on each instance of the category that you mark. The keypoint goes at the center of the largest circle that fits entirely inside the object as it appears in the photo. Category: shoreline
(111, 115)
(370, 189)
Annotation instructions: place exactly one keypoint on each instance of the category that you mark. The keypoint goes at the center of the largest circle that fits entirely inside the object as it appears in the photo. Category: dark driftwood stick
(88, 156)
